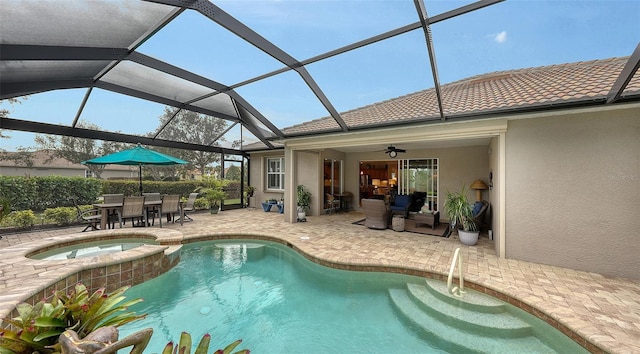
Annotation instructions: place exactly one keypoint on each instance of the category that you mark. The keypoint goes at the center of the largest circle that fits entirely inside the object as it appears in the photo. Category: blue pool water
(276, 301)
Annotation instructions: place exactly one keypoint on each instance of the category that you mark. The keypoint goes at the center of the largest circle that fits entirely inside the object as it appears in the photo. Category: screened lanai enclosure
(231, 77)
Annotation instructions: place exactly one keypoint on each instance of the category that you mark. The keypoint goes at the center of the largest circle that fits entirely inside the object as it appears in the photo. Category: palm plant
(460, 211)
(213, 190)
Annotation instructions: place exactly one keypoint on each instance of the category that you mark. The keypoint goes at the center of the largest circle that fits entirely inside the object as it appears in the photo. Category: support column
(290, 203)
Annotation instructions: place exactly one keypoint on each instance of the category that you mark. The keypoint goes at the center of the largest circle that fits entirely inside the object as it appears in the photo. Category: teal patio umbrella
(137, 156)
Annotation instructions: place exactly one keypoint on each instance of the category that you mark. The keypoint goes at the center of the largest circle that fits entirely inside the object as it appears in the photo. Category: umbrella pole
(140, 176)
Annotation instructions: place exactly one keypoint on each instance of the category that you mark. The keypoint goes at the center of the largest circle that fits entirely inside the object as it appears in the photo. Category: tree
(192, 127)
(233, 173)
(76, 150)
(5, 112)
(23, 154)
(21, 157)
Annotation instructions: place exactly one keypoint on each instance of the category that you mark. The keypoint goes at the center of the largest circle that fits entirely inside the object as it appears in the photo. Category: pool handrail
(456, 290)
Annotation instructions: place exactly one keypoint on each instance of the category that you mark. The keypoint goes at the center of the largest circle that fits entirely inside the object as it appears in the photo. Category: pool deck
(603, 310)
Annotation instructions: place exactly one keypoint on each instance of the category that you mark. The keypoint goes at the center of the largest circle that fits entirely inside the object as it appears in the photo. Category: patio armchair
(417, 201)
(401, 205)
(170, 207)
(152, 211)
(376, 213)
(112, 214)
(91, 217)
(478, 212)
(189, 206)
(133, 208)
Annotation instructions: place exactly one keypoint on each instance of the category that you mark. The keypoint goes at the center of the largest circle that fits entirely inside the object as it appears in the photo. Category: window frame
(280, 173)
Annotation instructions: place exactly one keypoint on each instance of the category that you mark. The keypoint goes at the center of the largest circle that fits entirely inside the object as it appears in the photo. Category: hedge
(40, 193)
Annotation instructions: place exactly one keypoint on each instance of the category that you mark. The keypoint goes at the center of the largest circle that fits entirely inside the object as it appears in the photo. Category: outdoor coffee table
(430, 219)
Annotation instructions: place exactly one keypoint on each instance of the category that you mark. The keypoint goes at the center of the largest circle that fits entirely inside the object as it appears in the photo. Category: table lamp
(479, 186)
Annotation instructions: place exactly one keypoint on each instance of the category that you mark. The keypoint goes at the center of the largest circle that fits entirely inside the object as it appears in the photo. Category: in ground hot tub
(92, 248)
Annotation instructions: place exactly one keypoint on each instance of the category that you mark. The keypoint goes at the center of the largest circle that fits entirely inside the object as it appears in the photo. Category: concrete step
(447, 336)
(471, 300)
(459, 313)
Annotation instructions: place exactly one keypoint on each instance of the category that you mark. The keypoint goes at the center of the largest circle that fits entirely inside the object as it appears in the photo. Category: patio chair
(133, 208)
(401, 205)
(331, 203)
(190, 206)
(154, 210)
(91, 217)
(479, 211)
(376, 214)
(112, 215)
(170, 206)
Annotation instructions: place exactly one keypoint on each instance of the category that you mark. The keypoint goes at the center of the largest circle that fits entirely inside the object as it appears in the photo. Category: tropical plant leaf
(168, 349)
(185, 343)
(231, 346)
(49, 322)
(203, 346)
(48, 334)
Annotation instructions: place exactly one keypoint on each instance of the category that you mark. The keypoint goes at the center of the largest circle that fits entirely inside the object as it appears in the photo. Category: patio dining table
(105, 207)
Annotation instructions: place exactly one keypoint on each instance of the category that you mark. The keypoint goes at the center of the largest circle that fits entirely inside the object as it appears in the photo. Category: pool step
(457, 312)
(471, 300)
(475, 324)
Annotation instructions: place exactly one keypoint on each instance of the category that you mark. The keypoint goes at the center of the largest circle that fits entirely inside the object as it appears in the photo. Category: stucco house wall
(573, 191)
(258, 176)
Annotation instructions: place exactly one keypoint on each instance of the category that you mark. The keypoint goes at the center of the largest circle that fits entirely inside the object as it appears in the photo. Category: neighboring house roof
(514, 90)
(40, 157)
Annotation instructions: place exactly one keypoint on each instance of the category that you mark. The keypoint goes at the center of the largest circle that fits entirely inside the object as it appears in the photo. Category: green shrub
(40, 193)
(201, 203)
(24, 219)
(61, 215)
(132, 187)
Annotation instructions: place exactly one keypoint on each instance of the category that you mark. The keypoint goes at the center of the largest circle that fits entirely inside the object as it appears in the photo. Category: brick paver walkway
(604, 311)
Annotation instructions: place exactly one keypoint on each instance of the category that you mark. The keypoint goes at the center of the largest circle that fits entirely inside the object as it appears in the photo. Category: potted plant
(250, 190)
(214, 193)
(460, 215)
(303, 198)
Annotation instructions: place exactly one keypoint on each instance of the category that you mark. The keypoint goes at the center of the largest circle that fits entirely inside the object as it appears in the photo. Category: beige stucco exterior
(565, 184)
(573, 191)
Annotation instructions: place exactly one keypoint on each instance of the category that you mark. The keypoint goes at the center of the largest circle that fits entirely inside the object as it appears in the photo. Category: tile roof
(520, 89)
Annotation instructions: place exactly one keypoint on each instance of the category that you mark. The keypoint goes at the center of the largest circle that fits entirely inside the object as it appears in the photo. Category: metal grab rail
(456, 290)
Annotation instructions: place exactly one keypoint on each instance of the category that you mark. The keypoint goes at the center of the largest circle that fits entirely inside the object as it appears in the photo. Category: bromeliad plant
(184, 347)
(39, 326)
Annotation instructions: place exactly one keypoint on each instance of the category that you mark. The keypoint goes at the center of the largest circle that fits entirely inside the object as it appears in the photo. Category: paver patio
(605, 311)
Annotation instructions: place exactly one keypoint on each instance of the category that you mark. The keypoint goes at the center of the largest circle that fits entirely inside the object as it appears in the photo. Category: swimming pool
(277, 301)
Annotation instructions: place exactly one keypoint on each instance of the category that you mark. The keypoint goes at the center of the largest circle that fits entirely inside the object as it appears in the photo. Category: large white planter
(468, 238)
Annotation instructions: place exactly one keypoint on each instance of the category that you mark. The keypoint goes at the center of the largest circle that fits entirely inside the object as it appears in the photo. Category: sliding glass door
(420, 176)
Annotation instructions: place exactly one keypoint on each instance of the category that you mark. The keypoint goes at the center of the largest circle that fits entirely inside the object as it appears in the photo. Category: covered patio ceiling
(106, 47)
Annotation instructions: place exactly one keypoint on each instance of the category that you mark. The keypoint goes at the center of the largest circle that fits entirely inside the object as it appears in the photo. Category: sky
(509, 35)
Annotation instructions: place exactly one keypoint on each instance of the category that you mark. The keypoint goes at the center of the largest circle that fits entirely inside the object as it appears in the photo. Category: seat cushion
(477, 206)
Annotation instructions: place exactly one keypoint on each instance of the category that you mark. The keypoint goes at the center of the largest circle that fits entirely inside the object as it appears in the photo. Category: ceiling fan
(393, 151)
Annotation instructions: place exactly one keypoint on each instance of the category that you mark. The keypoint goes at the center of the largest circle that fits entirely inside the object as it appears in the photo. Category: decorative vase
(468, 238)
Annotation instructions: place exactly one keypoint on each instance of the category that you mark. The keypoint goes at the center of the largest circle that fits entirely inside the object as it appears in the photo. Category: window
(275, 173)
(88, 174)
